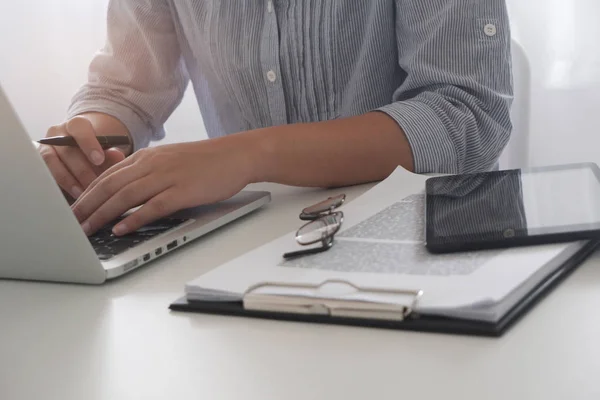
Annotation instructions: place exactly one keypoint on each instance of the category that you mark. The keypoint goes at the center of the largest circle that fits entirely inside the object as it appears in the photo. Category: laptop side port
(172, 245)
(158, 251)
(147, 257)
(130, 265)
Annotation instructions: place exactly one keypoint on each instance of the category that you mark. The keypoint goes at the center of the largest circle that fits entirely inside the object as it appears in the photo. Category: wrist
(258, 149)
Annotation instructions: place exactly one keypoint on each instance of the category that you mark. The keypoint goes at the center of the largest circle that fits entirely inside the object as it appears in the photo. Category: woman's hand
(166, 179)
(75, 168)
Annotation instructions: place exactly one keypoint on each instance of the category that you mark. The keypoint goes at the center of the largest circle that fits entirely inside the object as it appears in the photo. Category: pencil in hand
(106, 142)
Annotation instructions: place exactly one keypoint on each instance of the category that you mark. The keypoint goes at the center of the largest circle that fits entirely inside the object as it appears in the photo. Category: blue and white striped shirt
(440, 68)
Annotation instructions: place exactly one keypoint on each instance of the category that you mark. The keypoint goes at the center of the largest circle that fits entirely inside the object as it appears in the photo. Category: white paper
(381, 245)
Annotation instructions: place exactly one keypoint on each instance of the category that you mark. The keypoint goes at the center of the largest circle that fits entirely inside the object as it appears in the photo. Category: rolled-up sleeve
(454, 105)
(138, 77)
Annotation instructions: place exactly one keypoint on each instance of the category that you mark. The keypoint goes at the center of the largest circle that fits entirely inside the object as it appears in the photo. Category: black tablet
(512, 208)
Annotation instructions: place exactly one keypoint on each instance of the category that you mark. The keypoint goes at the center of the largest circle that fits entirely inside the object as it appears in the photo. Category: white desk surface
(120, 341)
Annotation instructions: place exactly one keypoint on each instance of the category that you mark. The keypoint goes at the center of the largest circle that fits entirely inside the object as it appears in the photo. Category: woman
(319, 93)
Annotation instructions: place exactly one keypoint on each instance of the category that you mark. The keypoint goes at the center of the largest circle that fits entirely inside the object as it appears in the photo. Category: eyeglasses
(324, 224)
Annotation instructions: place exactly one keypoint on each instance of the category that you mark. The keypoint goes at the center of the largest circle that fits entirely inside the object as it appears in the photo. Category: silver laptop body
(41, 240)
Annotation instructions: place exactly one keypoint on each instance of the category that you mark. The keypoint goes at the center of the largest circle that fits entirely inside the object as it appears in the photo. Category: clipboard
(406, 318)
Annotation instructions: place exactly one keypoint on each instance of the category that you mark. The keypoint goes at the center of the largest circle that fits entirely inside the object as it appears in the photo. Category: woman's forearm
(333, 153)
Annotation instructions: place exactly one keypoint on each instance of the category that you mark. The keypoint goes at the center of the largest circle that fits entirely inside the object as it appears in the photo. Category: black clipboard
(414, 322)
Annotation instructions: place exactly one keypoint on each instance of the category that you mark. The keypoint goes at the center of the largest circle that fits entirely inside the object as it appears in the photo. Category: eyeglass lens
(320, 229)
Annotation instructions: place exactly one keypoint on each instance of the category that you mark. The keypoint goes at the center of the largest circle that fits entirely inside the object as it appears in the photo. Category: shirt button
(490, 30)
(271, 76)
(270, 6)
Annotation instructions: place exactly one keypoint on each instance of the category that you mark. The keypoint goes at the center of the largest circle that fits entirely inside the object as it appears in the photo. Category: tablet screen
(508, 205)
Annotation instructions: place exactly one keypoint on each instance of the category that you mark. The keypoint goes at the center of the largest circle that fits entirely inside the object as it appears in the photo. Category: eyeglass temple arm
(325, 245)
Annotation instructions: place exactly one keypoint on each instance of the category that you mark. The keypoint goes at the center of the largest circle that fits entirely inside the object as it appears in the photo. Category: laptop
(41, 240)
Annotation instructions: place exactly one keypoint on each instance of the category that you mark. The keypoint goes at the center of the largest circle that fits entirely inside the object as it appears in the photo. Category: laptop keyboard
(107, 245)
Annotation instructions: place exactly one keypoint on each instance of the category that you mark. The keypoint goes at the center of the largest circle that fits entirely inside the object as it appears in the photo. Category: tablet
(512, 208)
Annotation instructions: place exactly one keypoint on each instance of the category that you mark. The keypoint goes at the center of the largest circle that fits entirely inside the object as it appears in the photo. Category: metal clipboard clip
(307, 299)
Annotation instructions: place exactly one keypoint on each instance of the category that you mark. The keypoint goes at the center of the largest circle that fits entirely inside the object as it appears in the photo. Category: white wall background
(45, 46)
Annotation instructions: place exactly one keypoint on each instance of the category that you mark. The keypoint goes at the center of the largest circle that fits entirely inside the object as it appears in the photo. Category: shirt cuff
(139, 131)
(433, 150)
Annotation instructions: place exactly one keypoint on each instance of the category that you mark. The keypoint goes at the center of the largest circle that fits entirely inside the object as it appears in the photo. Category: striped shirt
(440, 68)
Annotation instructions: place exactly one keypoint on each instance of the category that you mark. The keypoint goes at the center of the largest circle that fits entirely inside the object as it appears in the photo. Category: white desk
(119, 341)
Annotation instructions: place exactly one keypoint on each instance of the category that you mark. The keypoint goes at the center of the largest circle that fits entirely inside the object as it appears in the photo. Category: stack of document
(379, 269)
